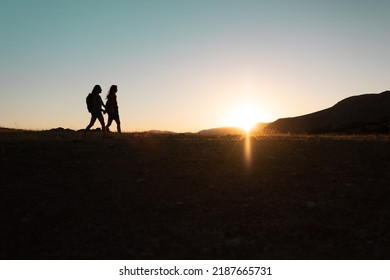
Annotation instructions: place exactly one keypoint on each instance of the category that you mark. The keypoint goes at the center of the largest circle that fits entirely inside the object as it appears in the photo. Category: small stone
(141, 180)
(311, 204)
(234, 242)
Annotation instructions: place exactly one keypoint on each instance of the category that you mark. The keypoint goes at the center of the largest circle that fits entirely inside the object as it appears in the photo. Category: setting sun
(245, 117)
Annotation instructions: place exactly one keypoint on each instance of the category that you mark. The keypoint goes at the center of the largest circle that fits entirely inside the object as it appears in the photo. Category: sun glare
(244, 117)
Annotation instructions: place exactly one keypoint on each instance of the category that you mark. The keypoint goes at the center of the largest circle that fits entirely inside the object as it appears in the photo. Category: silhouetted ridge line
(366, 113)
(222, 131)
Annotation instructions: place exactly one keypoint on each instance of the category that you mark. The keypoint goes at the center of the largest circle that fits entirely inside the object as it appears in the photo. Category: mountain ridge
(366, 113)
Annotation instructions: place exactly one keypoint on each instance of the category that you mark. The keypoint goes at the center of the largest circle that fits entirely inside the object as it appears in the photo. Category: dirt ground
(142, 196)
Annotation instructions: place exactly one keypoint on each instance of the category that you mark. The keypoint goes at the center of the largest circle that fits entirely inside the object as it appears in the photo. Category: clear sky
(187, 65)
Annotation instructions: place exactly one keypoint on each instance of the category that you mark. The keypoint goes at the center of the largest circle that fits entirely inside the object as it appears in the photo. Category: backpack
(89, 102)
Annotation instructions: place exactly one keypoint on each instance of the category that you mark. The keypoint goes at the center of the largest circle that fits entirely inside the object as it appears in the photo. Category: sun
(244, 116)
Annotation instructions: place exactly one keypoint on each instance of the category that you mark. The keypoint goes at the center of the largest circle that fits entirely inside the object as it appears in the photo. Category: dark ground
(190, 197)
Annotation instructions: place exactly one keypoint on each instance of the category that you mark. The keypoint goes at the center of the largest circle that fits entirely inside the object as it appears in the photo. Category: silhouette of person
(96, 109)
(112, 108)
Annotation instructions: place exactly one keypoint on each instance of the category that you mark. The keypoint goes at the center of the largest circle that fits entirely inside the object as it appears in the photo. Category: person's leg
(91, 123)
(118, 124)
(101, 120)
(109, 123)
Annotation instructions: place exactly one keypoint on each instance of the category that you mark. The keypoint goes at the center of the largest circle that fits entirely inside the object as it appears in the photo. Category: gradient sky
(187, 65)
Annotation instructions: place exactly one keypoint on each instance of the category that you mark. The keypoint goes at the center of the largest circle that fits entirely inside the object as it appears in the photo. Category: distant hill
(222, 131)
(4, 129)
(367, 113)
(259, 128)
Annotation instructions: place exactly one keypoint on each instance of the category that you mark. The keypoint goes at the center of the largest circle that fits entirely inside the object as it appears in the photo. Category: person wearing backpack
(94, 105)
(112, 108)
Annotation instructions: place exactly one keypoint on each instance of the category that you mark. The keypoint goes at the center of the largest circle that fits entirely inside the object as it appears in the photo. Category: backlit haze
(187, 65)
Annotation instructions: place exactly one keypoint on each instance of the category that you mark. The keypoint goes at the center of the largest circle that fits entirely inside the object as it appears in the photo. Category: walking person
(112, 108)
(95, 104)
